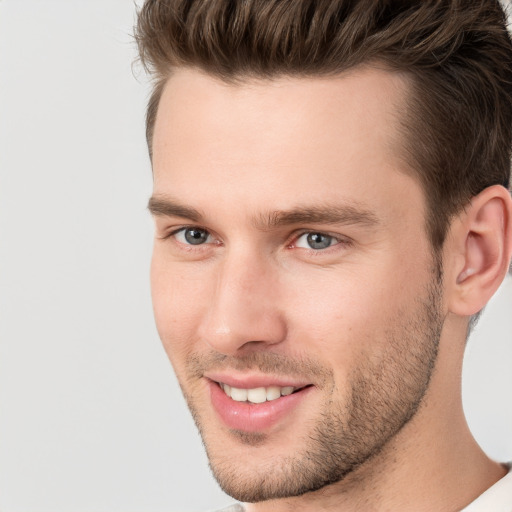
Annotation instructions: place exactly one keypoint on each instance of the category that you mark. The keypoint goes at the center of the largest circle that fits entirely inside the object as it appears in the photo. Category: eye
(316, 241)
(192, 236)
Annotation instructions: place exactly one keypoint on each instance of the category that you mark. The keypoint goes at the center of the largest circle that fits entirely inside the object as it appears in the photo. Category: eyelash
(338, 240)
(188, 247)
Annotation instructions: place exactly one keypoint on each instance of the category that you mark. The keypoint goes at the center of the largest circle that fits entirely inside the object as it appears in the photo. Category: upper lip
(251, 381)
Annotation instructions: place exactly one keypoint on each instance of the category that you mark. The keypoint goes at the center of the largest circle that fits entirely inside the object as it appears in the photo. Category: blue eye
(192, 236)
(316, 241)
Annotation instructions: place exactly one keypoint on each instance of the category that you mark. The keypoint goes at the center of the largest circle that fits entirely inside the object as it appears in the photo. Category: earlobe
(483, 239)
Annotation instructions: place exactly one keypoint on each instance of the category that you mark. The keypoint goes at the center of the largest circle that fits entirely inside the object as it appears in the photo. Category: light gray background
(91, 418)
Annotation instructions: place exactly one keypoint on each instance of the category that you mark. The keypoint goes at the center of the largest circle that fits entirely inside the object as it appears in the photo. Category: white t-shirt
(497, 498)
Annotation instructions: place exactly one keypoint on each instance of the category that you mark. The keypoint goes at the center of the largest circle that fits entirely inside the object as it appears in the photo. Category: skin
(367, 313)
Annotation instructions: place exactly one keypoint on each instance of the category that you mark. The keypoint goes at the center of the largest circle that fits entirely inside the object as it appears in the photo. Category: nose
(244, 311)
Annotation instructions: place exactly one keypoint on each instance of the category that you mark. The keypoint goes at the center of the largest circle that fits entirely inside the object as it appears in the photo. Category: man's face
(293, 283)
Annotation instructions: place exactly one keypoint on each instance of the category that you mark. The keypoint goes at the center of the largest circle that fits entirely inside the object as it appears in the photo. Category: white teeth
(273, 392)
(257, 395)
(239, 395)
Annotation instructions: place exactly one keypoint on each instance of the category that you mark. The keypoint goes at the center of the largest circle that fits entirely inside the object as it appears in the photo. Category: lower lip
(250, 417)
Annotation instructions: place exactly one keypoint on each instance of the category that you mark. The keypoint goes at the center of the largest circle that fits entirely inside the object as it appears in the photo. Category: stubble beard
(385, 395)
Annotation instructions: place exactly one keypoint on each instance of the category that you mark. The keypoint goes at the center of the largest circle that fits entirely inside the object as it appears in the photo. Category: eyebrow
(328, 214)
(160, 206)
(325, 214)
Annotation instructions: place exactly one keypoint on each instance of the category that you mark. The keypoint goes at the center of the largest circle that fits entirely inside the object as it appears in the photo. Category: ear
(480, 249)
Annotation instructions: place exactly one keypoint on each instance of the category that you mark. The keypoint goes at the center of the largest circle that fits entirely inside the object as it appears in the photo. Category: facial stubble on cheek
(385, 394)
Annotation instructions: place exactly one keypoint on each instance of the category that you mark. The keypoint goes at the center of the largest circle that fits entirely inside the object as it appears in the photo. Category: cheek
(333, 304)
(344, 316)
(179, 301)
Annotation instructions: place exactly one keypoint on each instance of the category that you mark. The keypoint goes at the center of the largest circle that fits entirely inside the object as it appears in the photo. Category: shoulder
(497, 498)
(236, 507)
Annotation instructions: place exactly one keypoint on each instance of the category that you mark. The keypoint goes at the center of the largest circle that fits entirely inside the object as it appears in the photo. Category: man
(332, 212)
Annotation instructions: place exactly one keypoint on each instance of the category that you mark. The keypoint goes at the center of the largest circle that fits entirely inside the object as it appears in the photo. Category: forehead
(269, 143)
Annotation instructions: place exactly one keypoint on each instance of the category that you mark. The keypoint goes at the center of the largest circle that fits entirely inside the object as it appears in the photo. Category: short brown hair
(458, 54)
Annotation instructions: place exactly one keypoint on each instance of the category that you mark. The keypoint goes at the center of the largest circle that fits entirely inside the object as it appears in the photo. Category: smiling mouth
(258, 395)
